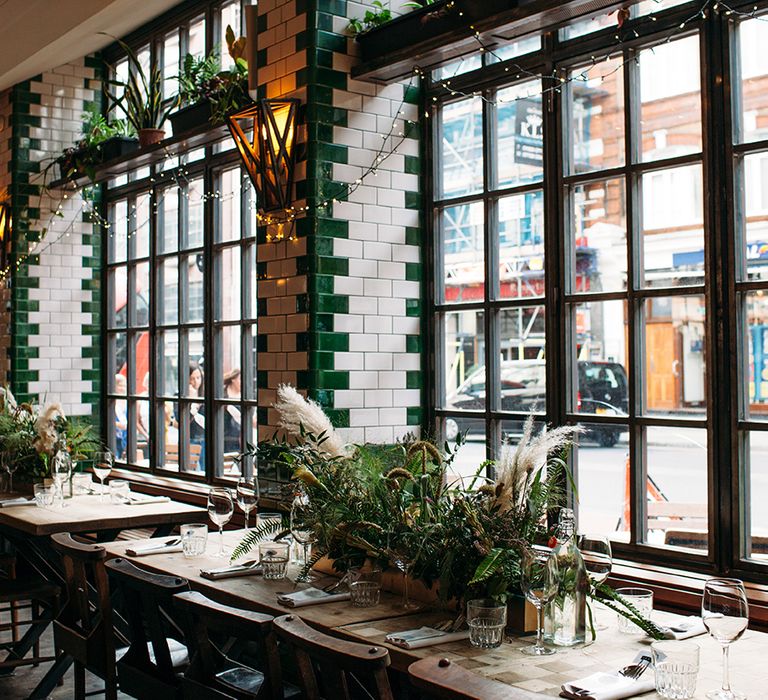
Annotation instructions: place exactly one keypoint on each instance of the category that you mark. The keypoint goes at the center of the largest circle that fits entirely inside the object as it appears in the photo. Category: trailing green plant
(372, 18)
(416, 5)
(141, 100)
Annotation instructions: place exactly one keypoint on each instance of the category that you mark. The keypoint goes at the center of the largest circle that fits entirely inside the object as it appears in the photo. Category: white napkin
(309, 596)
(607, 686)
(685, 628)
(17, 502)
(231, 571)
(144, 550)
(424, 637)
(140, 499)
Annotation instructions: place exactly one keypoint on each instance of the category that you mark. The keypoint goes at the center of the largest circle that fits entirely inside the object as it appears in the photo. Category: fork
(634, 671)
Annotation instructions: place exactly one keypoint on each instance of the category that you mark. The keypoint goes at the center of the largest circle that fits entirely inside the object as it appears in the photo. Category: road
(676, 463)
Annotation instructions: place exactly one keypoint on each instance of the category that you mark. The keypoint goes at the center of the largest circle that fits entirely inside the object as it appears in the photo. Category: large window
(180, 274)
(585, 269)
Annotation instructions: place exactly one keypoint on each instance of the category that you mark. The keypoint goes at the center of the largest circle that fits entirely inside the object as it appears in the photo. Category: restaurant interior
(368, 349)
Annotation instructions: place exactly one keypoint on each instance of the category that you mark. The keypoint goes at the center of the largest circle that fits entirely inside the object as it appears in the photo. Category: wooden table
(611, 651)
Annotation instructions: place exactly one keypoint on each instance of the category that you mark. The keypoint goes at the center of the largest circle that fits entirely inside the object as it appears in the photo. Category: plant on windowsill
(141, 100)
(208, 94)
(372, 18)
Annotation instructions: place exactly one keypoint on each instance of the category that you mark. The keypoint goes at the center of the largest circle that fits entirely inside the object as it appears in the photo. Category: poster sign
(529, 124)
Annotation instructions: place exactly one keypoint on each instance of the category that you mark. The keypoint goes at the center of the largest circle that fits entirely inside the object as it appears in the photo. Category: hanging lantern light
(265, 135)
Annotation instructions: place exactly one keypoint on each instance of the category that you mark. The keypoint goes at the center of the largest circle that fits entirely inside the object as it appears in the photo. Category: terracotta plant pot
(149, 137)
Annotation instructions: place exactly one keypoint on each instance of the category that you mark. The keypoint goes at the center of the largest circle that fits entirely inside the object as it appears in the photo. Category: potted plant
(208, 94)
(141, 100)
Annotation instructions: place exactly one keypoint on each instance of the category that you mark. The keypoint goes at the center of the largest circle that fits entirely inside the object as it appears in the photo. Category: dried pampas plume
(45, 427)
(519, 464)
(296, 411)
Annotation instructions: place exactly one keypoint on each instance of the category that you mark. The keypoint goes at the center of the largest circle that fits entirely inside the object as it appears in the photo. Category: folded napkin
(143, 550)
(607, 686)
(140, 499)
(17, 502)
(310, 596)
(231, 571)
(684, 629)
(424, 637)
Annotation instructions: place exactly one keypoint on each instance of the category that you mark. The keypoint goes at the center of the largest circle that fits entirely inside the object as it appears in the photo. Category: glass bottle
(565, 622)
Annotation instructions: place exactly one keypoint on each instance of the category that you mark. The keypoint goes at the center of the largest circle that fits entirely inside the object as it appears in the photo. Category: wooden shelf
(168, 148)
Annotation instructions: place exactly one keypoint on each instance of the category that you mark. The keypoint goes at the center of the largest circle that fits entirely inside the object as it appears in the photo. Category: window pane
(523, 369)
(195, 206)
(168, 437)
(228, 380)
(118, 232)
(755, 484)
(598, 260)
(118, 415)
(752, 191)
(228, 281)
(756, 341)
(752, 40)
(118, 354)
(527, 44)
(229, 206)
(463, 65)
(195, 353)
(520, 134)
(117, 290)
(168, 350)
(676, 460)
(168, 309)
(587, 26)
(647, 7)
(471, 454)
(596, 115)
(670, 110)
(521, 245)
(461, 150)
(249, 379)
(464, 360)
(197, 38)
(232, 419)
(195, 450)
(141, 295)
(249, 279)
(230, 15)
(673, 234)
(601, 464)
(168, 220)
(675, 361)
(142, 456)
(141, 231)
(601, 380)
(170, 64)
(193, 269)
(463, 253)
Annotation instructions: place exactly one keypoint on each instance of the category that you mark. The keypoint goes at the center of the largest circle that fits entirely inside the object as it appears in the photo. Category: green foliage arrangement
(30, 435)
(372, 18)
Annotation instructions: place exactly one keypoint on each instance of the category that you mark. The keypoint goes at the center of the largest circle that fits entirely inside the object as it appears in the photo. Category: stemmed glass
(299, 510)
(247, 496)
(102, 465)
(9, 465)
(220, 511)
(725, 612)
(402, 562)
(540, 582)
(596, 552)
(61, 470)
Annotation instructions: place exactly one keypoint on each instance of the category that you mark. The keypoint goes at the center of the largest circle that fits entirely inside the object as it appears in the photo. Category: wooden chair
(84, 628)
(328, 666)
(441, 679)
(152, 665)
(211, 674)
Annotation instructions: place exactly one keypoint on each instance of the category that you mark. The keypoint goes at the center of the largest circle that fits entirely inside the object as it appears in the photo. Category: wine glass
(9, 465)
(725, 612)
(102, 465)
(539, 582)
(299, 511)
(403, 562)
(247, 496)
(61, 470)
(596, 552)
(220, 511)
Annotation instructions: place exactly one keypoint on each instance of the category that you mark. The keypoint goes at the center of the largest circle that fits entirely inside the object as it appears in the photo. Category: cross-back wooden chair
(152, 666)
(331, 668)
(84, 628)
(442, 679)
(211, 674)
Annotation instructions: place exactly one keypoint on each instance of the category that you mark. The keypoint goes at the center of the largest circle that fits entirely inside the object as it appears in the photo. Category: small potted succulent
(208, 94)
(141, 100)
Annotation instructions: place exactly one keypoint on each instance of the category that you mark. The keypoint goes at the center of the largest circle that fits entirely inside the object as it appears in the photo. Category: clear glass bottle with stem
(566, 617)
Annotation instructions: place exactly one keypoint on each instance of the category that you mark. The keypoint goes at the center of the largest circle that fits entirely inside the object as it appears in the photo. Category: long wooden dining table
(610, 651)
(28, 528)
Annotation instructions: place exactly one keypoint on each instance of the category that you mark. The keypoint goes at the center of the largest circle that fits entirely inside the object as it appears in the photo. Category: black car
(602, 390)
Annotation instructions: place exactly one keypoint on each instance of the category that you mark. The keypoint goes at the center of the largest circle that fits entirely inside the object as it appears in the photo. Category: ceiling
(37, 35)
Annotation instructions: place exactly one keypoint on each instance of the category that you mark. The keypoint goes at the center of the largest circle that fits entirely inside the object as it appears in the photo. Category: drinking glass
(61, 470)
(220, 511)
(273, 557)
(247, 496)
(725, 612)
(596, 552)
(299, 512)
(194, 538)
(119, 490)
(642, 600)
(676, 665)
(102, 465)
(364, 594)
(540, 582)
(81, 484)
(487, 620)
(43, 495)
(10, 465)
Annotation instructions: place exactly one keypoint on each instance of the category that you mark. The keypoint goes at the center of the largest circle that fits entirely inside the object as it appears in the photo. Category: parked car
(603, 390)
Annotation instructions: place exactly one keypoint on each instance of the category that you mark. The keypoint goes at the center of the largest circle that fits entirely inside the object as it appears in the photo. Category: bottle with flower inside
(565, 622)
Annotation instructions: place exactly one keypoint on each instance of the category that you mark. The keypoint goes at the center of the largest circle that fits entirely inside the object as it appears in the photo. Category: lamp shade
(265, 135)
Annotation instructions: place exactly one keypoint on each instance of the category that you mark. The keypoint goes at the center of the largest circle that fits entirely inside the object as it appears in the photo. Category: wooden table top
(90, 514)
